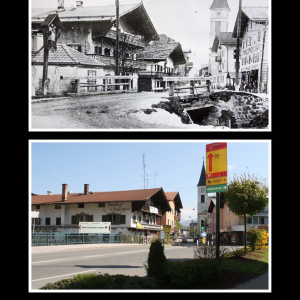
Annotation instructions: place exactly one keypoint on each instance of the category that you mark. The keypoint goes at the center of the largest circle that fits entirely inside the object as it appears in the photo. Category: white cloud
(231, 167)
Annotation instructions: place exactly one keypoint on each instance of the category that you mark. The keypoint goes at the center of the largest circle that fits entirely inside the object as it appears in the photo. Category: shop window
(57, 206)
(114, 219)
(101, 204)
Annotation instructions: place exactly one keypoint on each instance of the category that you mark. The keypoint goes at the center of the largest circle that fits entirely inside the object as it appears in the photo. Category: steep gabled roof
(256, 14)
(65, 55)
(174, 196)
(133, 17)
(161, 51)
(223, 38)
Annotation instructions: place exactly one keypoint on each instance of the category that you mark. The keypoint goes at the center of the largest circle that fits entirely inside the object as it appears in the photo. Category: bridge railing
(192, 87)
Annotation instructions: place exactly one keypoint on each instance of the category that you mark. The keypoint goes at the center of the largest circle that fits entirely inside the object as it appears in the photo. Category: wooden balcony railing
(146, 208)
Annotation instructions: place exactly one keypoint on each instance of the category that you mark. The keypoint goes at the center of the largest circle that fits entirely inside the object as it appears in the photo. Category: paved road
(51, 266)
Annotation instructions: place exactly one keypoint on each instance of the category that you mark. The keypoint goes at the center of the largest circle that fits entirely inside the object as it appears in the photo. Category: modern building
(170, 217)
(232, 226)
(254, 50)
(130, 212)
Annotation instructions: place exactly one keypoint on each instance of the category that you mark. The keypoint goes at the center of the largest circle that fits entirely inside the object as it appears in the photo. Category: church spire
(202, 180)
(220, 4)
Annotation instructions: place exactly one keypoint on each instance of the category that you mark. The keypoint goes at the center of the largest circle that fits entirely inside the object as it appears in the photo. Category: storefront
(250, 81)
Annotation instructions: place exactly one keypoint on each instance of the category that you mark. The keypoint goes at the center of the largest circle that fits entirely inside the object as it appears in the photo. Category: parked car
(184, 240)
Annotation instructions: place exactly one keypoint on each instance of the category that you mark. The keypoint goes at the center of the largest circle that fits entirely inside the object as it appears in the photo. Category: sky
(118, 166)
(187, 21)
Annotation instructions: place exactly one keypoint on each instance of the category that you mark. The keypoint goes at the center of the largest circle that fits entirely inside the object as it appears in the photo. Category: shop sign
(94, 227)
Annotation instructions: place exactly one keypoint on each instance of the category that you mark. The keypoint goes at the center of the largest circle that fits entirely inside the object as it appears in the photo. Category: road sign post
(216, 179)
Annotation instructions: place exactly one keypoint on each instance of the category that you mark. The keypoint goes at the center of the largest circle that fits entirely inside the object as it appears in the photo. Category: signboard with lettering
(216, 167)
(94, 227)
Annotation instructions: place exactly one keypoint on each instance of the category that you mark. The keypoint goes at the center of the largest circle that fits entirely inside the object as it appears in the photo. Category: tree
(246, 195)
(178, 226)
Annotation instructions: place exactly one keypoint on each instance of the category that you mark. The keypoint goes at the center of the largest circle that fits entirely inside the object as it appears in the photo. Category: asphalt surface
(53, 263)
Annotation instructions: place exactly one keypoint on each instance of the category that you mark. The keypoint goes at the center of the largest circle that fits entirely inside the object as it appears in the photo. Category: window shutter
(105, 218)
(123, 219)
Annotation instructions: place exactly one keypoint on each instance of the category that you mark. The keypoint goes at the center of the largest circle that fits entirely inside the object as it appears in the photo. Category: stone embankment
(225, 108)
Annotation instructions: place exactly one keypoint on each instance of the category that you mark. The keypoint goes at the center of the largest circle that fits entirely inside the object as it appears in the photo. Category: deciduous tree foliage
(246, 195)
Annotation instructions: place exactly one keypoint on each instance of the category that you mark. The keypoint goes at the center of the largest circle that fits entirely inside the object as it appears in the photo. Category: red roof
(133, 195)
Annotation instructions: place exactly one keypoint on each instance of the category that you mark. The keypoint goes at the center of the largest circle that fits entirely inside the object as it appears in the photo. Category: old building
(170, 217)
(92, 31)
(218, 23)
(254, 50)
(162, 59)
(130, 212)
(224, 47)
(62, 63)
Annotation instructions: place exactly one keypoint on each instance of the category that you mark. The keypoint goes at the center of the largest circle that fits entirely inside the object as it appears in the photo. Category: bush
(191, 274)
(102, 282)
(156, 260)
(254, 236)
(264, 239)
(209, 252)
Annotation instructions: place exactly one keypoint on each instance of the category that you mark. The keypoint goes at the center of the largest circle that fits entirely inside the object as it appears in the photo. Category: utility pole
(117, 42)
(237, 80)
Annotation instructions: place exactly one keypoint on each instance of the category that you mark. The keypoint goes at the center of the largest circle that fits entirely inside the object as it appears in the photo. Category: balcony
(154, 74)
(151, 209)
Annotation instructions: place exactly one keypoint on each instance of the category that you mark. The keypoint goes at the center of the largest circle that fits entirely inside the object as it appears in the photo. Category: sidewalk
(258, 283)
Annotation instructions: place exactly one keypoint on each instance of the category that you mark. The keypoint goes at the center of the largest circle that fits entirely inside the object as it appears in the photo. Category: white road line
(64, 275)
(92, 256)
(45, 261)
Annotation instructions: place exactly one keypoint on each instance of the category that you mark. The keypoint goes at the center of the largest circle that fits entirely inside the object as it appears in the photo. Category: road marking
(64, 275)
(92, 256)
(38, 262)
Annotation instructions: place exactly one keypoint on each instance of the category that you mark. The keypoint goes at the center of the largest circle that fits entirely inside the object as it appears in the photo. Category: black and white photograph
(150, 65)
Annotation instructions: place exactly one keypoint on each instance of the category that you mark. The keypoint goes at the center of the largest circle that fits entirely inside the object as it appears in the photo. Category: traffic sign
(203, 234)
(216, 167)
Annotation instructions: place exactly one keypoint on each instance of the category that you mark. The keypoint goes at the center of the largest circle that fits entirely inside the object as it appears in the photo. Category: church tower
(218, 19)
(202, 200)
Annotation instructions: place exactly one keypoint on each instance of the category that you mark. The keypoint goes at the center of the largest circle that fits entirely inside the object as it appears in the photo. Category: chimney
(49, 192)
(86, 188)
(64, 192)
(60, 5)
(79, 3)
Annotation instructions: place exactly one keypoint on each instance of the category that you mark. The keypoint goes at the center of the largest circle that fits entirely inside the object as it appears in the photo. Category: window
(36, 221)
(115, 219)
(202, 198)
(101, 204)
(79, 48)
(47, 221)
(57, 206)
(249, 220)
(37, 206)
(107, 51)
(98, 50)
(58, 221)
(262, 220)
(258, 37)
(81, 205)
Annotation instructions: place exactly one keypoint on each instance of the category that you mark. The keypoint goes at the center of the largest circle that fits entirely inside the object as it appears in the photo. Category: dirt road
(114, 111)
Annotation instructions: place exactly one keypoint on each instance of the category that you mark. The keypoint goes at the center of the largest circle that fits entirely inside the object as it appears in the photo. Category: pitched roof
(202, 180)
(132, 195)
(252, 13)
(223, 38)
(219, 4)
(134, 17)
(174, 196)
(84, 13)
(65, 55)
(161, 51)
